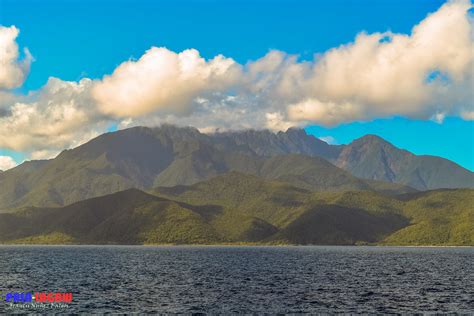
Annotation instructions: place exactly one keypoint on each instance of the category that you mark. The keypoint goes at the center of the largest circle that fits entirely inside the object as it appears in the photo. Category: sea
(240, 279)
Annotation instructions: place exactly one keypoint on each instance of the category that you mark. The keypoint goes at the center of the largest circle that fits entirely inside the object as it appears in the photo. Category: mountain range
(239, 208)
(135, 186)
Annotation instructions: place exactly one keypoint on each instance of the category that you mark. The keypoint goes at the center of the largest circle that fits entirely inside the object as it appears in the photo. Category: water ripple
(245, 279)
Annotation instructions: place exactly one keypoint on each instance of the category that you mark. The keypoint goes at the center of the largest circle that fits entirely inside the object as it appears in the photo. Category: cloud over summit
(163, 80)
(427, 74)
(6, 163)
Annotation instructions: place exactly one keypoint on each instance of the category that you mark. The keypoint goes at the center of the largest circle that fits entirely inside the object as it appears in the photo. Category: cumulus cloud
(12, 70)
(328, 139)
(327, 113)
(468, 115)
(420, 75)
(7, 162)
(60, 115)
(163, 80)
(215, 112)
(427, 74)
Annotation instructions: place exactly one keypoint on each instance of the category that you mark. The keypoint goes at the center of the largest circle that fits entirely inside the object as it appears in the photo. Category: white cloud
(439, 117)
(12, 70)
(275, 121)
(58, 116)
(216, 112)
(7, 162)
(468, 115)
(382, 74)
(43, 154)
(427, 74)
(328, 139)
(163, 80)
(327, 113)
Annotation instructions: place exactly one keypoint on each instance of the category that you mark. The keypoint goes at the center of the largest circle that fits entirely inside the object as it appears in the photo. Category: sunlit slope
(127, 217)
(145, 158)
(440, 217)
(240, 208)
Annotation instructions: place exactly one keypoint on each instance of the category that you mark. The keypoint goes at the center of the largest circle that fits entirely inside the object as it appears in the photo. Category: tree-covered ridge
(239, 208)
(144, 158)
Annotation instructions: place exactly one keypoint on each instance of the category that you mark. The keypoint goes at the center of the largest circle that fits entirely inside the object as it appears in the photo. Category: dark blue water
(244, 279)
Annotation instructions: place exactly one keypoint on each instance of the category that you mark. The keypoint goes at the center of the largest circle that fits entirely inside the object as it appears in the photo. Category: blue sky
(89, 39)
(73, 39)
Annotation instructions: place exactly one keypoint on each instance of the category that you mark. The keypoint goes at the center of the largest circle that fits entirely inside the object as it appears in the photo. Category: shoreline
(234, 245)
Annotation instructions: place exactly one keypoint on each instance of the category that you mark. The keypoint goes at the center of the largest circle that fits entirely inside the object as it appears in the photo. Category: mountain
(239, 208)
(236, 187)
(109, 163)
(144, 158)
(317, 174)
(167, 156)
(371, 157)
(15, 183)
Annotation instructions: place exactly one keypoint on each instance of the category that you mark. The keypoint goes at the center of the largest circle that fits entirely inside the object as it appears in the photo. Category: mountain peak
(169, 155)
(370, 138)
(296, 131)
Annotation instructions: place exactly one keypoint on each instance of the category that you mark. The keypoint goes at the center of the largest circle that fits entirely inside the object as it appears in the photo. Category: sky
(340, 69)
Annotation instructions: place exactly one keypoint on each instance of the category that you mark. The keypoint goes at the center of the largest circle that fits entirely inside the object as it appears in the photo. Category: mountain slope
(339, 225)
(236, 208)
(127, 217)
(274, 202)
(440, 217)
(15, 183)
(311, 173)
(301, 217)
(112, 162)
(371, 157)
(167, 156)
(349, 217)
(265, 143)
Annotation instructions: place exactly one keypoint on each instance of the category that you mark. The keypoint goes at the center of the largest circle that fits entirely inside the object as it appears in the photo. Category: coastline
(260, 245)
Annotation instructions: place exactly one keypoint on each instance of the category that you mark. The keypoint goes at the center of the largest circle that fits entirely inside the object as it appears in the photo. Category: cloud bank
(162, 79)
(6, 163)
(60, 115)
(12, 70)
(427, 74)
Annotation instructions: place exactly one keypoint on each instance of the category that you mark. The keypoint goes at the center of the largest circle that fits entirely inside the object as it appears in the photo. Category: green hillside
(440, 217)
(347, 217)
(238, 194)
(127, 217)
(239, 208)
(145, 158)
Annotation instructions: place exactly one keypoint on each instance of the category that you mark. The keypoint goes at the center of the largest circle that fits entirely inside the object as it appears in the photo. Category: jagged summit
(143, 158)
